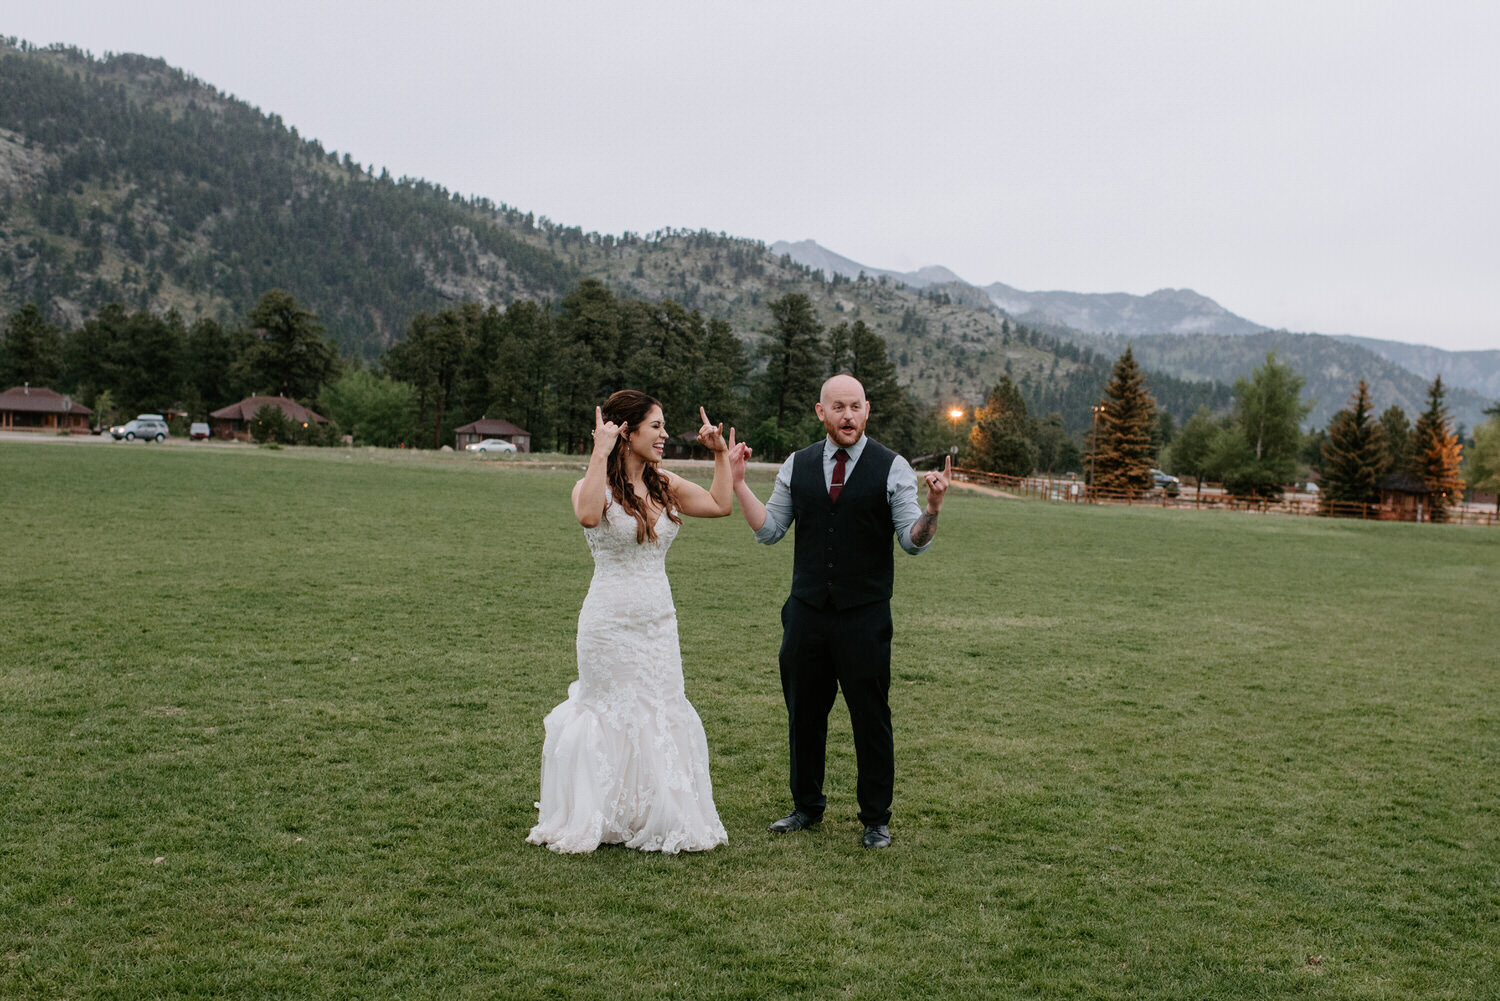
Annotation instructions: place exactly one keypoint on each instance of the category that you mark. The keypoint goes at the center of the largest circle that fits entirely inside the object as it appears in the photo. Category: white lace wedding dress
(625, 759)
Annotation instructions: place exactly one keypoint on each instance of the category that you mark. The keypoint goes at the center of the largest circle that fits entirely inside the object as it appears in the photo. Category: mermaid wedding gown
(625, 759)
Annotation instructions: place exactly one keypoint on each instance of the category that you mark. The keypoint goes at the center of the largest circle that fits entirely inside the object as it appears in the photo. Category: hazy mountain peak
(810, 253)
(1165, 311)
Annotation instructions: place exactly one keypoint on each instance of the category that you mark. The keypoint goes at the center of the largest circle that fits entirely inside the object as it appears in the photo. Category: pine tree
(1122, 446)
(893, 415)
(1003, 439)
(31, 350)
(1396, 428)
(1436, 454)
(1354, 456)
(289, 356)
(794, 367)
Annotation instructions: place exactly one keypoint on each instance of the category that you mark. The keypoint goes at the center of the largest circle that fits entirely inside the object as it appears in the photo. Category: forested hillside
(126, 182)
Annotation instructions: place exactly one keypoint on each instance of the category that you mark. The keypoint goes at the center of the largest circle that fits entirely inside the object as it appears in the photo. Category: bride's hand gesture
(711, 436)
(606, 433)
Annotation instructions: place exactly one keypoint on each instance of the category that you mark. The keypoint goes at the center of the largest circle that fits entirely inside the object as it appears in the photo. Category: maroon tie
(837, 483)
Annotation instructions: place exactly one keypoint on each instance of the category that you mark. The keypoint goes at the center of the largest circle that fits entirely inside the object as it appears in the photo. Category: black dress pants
(824, 650)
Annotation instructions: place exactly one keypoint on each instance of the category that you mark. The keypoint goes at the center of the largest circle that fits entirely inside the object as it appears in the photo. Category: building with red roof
(233, 421)
(37, 408)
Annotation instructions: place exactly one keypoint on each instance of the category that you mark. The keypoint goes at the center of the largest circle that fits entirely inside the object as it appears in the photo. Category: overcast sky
(1319, 166)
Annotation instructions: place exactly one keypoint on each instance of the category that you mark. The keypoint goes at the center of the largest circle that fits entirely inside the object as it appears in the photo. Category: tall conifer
(1122, 447)
(1003, 439)
(1396, 427)
(1436, 454)
(1354, 456)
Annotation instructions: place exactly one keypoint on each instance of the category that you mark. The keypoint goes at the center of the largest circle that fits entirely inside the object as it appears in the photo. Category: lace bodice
(613, 544)
(627, 628)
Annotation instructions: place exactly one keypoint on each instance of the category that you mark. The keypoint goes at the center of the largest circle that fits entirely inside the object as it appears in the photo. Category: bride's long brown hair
(631, 407)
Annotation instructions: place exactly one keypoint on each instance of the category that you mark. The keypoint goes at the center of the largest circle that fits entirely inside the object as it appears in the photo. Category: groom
(848, 495)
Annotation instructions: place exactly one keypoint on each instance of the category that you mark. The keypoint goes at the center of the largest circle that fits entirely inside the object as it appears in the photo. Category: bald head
(843, 410)
(841, 386)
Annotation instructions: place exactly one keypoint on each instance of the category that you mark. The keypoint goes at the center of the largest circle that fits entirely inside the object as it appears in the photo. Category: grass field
(270, 724)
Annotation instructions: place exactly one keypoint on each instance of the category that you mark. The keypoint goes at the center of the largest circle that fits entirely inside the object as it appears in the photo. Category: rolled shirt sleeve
(779, 507)
(901, 491)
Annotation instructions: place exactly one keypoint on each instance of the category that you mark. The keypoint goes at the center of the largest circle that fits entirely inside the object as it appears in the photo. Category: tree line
(1256, 448)
(541, 365)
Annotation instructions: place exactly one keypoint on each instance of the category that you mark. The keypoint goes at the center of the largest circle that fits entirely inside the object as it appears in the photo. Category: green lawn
(270, 726)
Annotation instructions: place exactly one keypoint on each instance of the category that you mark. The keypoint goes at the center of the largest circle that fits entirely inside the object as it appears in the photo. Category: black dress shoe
(794, 821)
(877, 836)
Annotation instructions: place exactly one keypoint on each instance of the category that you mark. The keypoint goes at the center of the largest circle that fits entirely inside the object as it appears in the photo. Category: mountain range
(1165, 311)
(1192, 337)
(125, 180)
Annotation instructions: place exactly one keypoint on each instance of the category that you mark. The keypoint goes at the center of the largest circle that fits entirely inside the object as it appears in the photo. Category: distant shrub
(270, 424)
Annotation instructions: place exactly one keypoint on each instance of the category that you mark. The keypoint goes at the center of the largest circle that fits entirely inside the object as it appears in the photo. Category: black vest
(843, 550)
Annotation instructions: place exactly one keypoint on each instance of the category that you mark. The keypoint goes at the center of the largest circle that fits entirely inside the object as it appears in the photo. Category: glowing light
(955, 413)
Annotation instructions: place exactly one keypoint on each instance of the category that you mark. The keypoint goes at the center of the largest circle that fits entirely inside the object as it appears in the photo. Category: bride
(625, 759)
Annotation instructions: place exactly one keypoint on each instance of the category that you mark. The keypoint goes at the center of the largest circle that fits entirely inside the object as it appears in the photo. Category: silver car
(491, 445)
(151, 427)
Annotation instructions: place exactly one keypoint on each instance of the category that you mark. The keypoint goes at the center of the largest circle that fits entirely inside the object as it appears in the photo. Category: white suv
(152, 427)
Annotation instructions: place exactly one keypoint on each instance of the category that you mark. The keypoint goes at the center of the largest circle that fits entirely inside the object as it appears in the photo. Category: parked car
(152, 427)
(1163, 480)
(198, 431)
(491, 445)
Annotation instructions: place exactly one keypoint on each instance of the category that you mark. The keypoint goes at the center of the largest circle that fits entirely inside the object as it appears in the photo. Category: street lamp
(955, 415)
(1094, 449)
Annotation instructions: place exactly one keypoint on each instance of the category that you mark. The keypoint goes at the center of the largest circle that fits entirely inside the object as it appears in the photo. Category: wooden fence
(1210, 495)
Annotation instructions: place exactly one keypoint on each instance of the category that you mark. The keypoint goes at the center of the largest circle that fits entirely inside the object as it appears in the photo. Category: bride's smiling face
(649, 440)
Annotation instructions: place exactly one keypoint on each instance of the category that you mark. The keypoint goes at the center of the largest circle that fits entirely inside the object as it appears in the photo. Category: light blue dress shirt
(900, 491)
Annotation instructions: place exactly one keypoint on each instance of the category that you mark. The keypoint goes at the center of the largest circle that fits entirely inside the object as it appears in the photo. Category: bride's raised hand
(606, 433)
(711, 435)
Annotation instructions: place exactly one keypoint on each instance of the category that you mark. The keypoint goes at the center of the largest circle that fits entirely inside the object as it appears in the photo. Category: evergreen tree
(1436, 454)
(523, 382)
(215, 365)
(1354, 456)
(1395, 428)
(288, 355)
(841, 350)
(794, 370)
(720, 381)
(667, 352)
(1003, 439)
(431, 359)
(587, 359)
(148, 361)
(1163, 430)
(893, 414)
(1056, 450)
(31, 350)
(1122, 450)
(91, 354)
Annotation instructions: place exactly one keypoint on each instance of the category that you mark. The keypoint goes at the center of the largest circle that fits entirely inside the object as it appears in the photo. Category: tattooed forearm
(924, 528)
